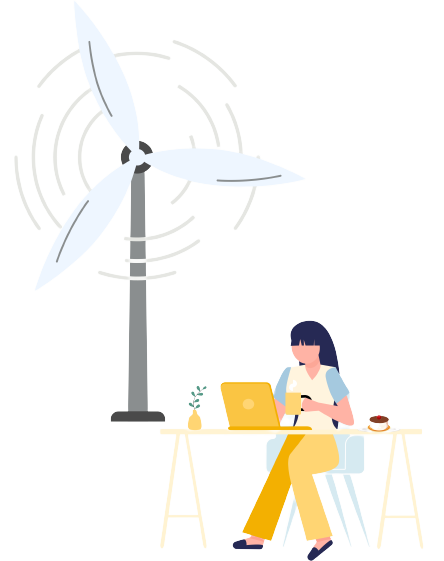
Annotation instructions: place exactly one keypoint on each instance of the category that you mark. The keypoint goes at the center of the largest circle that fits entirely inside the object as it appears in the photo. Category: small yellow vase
(194, 422)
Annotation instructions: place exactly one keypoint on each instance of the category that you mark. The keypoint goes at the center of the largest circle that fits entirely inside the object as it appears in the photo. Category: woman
(301, 456)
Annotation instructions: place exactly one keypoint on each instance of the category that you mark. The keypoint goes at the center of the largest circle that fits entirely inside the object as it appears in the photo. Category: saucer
(368, 429)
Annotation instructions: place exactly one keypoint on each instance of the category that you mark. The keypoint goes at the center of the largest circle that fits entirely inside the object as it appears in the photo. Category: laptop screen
(249, 404)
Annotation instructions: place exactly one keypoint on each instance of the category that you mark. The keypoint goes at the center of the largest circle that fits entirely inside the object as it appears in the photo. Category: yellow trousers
(300, 457)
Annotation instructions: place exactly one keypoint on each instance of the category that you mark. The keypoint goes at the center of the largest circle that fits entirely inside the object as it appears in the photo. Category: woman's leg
(265, 515)
(315, 454)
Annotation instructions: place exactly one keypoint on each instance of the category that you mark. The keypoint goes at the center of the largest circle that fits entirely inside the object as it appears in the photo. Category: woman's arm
(342, 412)
(280, 408)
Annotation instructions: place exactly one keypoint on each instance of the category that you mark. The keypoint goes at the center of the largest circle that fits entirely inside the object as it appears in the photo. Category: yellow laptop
(250, 406)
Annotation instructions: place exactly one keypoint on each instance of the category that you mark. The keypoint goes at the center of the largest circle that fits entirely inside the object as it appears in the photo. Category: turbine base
(137, 417)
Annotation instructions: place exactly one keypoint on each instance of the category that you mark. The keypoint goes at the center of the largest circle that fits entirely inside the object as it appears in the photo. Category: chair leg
(290, 520)
(354, 498)
(335, 496)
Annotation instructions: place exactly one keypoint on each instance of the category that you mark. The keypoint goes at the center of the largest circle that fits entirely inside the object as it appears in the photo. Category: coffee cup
(293, 403)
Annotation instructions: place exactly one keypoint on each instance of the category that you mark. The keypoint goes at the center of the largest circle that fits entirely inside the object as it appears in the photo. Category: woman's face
(306, 353)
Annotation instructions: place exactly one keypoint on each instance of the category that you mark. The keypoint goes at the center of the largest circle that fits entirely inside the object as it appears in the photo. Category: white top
(317, 389)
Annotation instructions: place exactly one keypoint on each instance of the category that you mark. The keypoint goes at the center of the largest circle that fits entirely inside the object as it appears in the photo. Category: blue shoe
(316, 552)
(242, 544)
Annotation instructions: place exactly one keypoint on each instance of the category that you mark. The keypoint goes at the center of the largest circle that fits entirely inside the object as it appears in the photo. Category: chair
(351, 460)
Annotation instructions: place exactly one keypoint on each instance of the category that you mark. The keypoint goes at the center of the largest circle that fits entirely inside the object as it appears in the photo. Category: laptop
(250, 406)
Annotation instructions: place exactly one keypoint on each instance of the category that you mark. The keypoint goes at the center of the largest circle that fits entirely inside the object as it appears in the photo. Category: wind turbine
(95, 211)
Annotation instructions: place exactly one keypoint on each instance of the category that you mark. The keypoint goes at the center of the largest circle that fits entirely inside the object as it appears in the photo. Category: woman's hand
(309, 405)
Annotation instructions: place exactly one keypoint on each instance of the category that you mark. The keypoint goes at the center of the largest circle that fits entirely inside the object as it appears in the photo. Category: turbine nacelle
(137, 157)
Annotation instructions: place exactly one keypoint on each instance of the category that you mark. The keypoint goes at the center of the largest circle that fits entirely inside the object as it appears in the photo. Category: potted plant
(194, 422)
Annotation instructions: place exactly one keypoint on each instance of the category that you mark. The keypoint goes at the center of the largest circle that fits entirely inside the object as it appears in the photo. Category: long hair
(313, 333)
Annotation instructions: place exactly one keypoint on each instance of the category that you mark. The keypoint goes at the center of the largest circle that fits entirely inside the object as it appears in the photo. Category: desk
(202, 432)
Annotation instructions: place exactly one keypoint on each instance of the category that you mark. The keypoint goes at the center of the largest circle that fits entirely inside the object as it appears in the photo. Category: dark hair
(313, 333)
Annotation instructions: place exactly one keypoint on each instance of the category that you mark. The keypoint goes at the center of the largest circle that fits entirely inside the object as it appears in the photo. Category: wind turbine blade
(87, 222)
(219, 167)
(107, 81)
